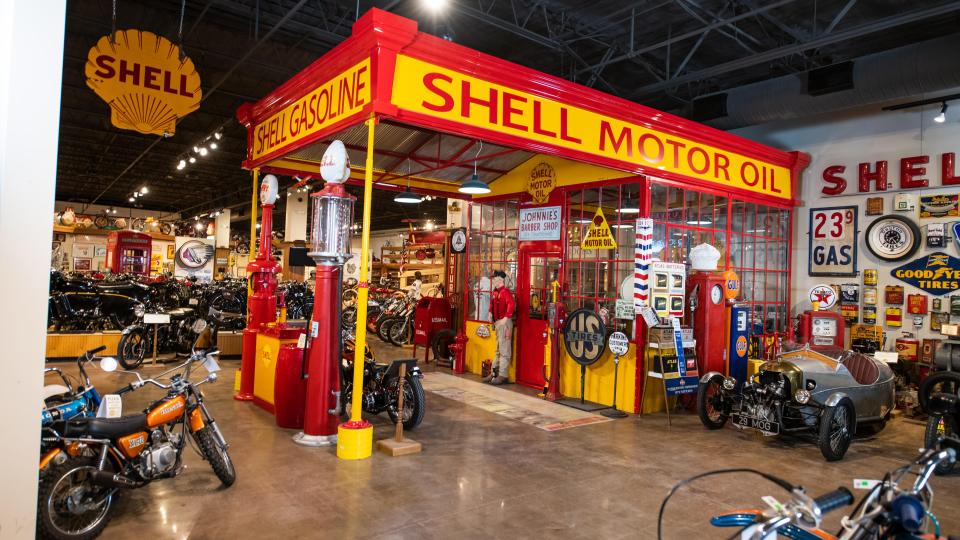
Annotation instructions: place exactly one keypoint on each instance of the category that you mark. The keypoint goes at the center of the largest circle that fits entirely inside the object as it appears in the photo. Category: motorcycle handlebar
(98, 349)
(832, 500)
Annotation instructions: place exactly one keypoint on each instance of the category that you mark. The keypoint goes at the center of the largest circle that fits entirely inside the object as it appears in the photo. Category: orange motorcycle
(92, 459)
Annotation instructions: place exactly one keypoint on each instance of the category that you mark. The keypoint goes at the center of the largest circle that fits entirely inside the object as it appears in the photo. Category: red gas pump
(709, 317)
(821, 329)
(262, 296)
(330, 248)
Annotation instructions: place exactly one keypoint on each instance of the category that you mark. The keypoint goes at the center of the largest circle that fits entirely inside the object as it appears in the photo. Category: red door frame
(524, 254)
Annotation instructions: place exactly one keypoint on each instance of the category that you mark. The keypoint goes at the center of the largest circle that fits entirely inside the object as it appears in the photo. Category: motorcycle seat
(106, 428)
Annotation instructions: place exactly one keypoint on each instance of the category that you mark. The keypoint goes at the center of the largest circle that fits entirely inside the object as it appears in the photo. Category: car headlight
(138, 310)
(729, 383)
(801, 396)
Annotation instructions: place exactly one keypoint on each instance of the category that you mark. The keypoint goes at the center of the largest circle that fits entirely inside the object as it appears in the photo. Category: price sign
(833, 241)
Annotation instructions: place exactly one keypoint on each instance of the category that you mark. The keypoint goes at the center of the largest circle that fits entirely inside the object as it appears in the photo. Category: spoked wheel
(384, 324)
(940, 426)
(836, 430)
(712, 408)
(70, 505)
(414, 402)
(348, 318)
(132, 349)
(940, 388)
(216, 454)
(349, 297)
(399, 333)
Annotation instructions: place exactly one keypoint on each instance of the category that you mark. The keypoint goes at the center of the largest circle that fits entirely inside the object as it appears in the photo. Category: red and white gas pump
(330, 248)
(262, 297)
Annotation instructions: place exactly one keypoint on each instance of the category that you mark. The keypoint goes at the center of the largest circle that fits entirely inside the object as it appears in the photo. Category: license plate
(765, 426)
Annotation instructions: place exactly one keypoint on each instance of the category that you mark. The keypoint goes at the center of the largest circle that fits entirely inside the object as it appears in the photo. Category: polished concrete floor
(482, 475)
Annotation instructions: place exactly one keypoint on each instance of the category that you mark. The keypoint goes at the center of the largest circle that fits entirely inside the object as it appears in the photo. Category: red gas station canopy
(421, 84)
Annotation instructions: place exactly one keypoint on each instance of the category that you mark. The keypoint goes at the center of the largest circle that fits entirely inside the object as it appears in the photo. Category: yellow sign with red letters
(144, 80)
(333, 101)
(598, 234)
(428, 89)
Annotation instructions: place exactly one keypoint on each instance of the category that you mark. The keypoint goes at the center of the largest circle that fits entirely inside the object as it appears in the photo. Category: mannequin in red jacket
(502, 306)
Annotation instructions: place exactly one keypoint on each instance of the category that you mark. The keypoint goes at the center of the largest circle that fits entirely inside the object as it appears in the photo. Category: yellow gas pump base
(355, 440)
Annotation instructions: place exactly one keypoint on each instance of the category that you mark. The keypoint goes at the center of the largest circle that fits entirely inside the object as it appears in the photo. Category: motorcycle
(63, 401)
(887, 511)
(85, 305)
(299, 300)
(382, 385)
(92, 459)
(940, 398)
(136, 340)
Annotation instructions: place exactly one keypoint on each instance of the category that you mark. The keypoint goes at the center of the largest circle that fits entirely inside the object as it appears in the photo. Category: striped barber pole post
(643, 252)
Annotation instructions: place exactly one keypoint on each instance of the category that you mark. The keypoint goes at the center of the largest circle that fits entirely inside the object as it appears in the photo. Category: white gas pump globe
(335, 164)
(268, 189)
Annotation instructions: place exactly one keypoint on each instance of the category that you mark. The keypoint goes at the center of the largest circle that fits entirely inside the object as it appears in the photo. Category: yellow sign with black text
(333, 101)
(428, 89)
(598, 234)
(144, 80)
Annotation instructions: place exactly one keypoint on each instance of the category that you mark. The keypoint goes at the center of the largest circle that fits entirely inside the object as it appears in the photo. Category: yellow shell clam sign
(598, 234)
(143, 79)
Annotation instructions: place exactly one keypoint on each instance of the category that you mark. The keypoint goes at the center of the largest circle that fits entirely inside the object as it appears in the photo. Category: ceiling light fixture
(193, 159)
(144, 190)
(131, 199)
(217, 135)
(475, 186)
(213, 146)
(630, 207)
(181, 165)
(407, 196)
(699, 222)
(942, 117)
(203, 150)
(435, 5)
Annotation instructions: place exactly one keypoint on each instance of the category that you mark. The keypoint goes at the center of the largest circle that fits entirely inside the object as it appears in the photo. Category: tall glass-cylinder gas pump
(262, 302)
(330, 248)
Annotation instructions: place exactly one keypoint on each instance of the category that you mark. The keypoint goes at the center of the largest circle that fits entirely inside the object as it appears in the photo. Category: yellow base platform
(354, 443)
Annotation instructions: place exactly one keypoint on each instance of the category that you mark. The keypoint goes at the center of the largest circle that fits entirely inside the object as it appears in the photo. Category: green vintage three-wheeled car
(830, 392)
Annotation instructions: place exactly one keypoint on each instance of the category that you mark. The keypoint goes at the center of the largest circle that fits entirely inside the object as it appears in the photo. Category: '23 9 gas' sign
(833, 241)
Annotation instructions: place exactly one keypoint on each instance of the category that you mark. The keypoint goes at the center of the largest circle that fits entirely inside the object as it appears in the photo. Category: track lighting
(203, 150)
(144, 190)
(213, 146)
(942, 117)
(217, 135)
(193, 159)
(181, 165)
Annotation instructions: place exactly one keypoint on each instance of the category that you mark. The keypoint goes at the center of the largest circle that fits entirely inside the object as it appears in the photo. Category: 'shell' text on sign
(428, 89)
(332, 102)
(833, 241)
(542, 223)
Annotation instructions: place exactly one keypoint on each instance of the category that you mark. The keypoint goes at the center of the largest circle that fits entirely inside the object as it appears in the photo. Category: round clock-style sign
(458, 241)
(893, 238)
(584, 336)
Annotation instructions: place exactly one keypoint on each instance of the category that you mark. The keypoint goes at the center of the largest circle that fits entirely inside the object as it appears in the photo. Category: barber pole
(643, 252)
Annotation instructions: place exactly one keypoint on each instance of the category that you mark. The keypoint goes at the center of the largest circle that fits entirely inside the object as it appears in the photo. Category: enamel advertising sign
(833, 241)
(424, 88)
(541, 223)
(543, 178)
(937, 273)
(598, 234)
(145, 80)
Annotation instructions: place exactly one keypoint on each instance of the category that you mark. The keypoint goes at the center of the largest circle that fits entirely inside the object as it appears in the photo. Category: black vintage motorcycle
(382, 385)
(93, 459)
(298, 298)
(88, 305)
(136, 340)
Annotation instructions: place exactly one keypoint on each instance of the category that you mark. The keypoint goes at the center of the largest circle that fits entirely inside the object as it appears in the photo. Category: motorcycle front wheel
(414, 402)
(216, 455)
(132, 349)
(70, 506)
(383, 327)
(940, 426)
(399, 333)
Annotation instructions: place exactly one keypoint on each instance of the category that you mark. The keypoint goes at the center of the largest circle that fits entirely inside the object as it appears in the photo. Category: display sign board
(938, 206)
(584, 336)
(145, 79)
(194, 257)
(542, 180)
(824, 294)
(833, 241)
(427, 89)
(625, 310)
(598, 234)
(156, 318)
(678, 380)
(458, 240)
(618, 343)
(332, 102)
(936, 273)
(540, 223)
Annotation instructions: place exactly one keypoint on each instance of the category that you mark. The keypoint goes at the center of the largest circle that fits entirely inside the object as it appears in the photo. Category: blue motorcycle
(64, 401)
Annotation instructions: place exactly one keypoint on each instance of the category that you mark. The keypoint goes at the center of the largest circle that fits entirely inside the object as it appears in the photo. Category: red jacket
(502, 304)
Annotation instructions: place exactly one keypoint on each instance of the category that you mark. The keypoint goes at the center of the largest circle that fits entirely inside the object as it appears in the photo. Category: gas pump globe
(330, 225)
(330, 248)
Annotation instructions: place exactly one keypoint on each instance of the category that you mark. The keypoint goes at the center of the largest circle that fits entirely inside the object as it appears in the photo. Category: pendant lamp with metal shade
(475, 186)
(406, 196)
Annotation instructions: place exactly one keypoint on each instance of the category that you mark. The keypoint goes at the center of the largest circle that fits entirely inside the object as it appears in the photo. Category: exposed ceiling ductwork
(921, 69)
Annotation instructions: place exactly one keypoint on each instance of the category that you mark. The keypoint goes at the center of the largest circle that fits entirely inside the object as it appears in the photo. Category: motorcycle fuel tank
(166, 411)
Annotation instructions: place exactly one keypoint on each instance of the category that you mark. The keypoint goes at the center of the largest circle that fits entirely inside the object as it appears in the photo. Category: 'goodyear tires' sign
(936, 273)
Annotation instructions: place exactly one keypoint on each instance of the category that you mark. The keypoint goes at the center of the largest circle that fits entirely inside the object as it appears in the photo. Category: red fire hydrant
(459, 350)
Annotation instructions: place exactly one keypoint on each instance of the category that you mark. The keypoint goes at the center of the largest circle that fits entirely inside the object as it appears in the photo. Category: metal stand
(613, 412)
(398, 446)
